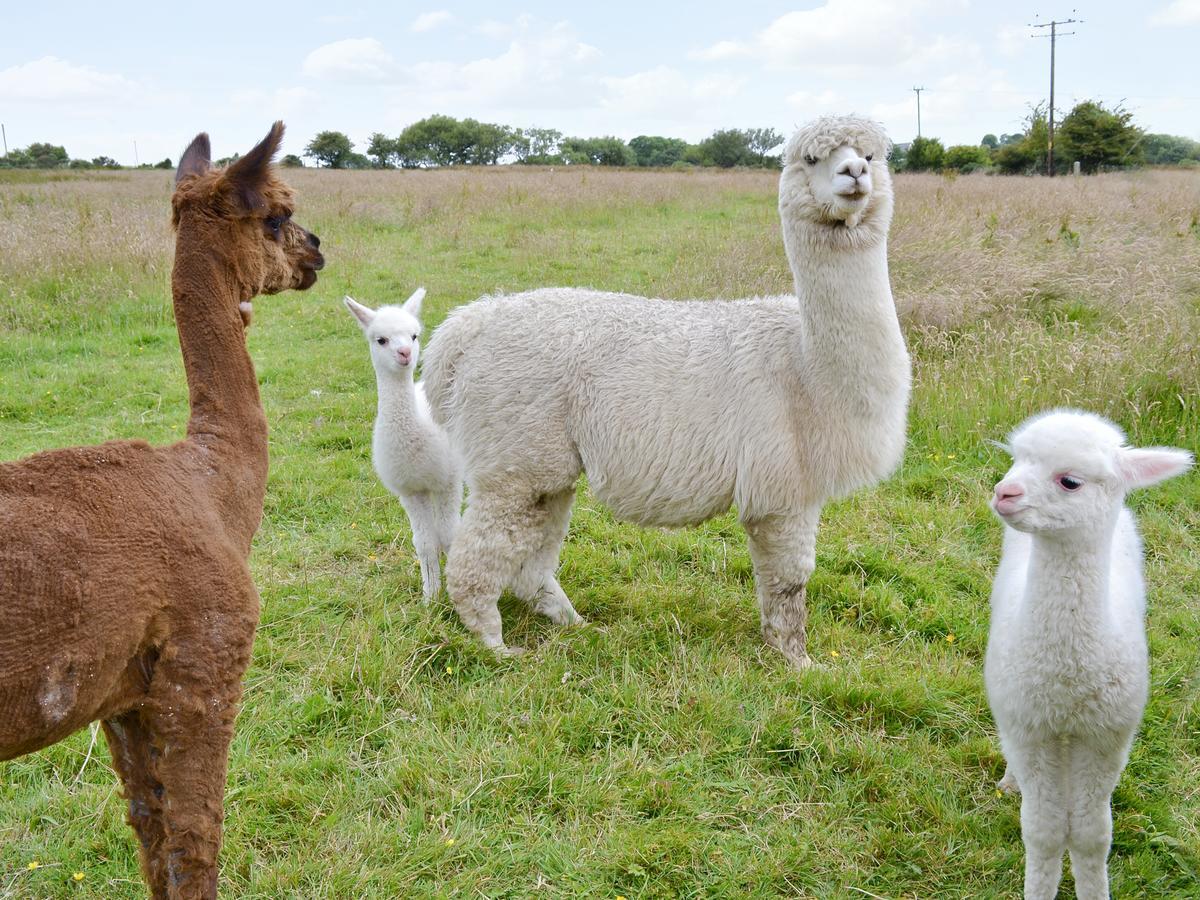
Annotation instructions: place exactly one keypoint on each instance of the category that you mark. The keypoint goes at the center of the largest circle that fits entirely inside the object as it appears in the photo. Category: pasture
(661, 751)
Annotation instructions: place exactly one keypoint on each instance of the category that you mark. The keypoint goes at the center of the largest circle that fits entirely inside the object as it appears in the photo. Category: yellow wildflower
(950, 639)
(34, 865)
(834, 654)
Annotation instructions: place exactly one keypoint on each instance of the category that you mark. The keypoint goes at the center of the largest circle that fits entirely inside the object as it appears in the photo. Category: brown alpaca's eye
(382, 342)
(810, 159)
(275, 223)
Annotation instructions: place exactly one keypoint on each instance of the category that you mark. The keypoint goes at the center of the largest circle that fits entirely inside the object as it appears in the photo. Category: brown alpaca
(125, 593)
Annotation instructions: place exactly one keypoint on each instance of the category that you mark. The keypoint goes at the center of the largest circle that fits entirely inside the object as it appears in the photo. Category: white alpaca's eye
(810, 159)
(414, 337)
(870, 156)
(1068, 482)
(382, 342)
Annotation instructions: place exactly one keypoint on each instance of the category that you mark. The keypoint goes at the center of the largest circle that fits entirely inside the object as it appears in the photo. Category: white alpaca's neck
(1067, 595)
(397, 394)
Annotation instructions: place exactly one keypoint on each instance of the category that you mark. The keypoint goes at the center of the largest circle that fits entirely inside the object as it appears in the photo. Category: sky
(102, 78)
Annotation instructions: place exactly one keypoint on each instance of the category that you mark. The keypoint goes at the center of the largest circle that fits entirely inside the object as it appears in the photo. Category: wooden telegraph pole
(1054, 35)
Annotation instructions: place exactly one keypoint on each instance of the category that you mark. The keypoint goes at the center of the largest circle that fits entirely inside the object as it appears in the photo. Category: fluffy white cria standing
(411, 454)
(676, 410)
(1067, 670)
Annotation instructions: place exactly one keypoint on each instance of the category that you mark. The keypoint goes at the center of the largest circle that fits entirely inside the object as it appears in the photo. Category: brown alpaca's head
(245, 210)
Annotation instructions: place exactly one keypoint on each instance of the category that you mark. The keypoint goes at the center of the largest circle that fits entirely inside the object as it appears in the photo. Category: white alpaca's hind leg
(1093, 777)
(423, 520)
(1008, 782)
(784, 552)
(496, 532)
(536, 582)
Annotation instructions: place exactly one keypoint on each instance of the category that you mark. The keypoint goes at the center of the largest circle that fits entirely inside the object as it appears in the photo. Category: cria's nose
(855, 167)
(1009, 490)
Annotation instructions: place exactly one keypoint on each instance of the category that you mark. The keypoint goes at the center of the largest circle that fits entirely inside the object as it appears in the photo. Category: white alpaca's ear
(364, 314)
(412, 305)
(1144, 466)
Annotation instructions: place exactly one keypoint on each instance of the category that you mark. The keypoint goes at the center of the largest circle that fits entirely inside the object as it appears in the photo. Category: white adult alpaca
(675, 410)
(412, 455)
(1067, 670)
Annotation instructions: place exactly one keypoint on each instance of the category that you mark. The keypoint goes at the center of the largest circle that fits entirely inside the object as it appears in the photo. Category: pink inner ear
(1145, 466)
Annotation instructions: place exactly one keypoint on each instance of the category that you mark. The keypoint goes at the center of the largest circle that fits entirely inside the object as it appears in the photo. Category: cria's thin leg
(497, 531)
(1093, 777)
(136, 760)
(783, 549)
(422, 519)
(536, 581)
(1042, 773)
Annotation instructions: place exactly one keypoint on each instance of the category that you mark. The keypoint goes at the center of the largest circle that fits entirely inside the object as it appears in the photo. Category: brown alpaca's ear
(251, 173)
(196, 159)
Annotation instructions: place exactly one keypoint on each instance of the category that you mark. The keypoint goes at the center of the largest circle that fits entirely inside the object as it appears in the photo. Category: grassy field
(663, 752)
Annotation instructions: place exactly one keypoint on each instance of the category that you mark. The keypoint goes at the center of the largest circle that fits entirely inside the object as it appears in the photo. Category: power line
(1053, 36)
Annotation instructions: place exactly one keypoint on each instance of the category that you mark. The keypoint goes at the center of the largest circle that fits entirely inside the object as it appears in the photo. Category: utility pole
(4, 134)
(918, 90)
(136, 161)
(1053, 26)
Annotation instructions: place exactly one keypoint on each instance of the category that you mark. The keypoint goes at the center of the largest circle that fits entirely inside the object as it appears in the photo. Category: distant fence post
(1075, 168)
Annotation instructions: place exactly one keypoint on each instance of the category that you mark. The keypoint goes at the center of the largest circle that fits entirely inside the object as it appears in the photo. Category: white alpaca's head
(393, 333)
(835, 173)
(1071, 471)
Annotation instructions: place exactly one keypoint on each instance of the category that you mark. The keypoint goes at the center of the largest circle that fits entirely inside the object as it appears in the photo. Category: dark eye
(870, 156)
(810, 159)
(1068, 482)
(382, 342)
(414, 337)
(275, 223)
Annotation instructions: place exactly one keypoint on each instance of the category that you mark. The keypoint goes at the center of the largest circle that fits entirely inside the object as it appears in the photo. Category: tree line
(445, 141)
(1096, 137)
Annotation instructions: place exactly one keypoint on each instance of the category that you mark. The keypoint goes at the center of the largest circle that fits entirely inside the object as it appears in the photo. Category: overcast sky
(96, 77)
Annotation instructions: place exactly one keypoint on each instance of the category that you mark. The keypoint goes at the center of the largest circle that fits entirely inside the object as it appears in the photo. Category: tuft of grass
(661, 751)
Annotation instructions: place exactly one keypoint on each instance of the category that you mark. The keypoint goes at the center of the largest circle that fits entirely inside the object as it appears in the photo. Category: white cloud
(666, 90)
(721, 50)
(281, 102)
(352, 60)
(431, 20)
(1180, 12)
(1013, 39)
(54, 80)
(542, 65)
(810, 103)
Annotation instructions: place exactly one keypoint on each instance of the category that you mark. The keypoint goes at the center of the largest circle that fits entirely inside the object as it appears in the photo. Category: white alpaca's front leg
(422, 519)
(536, 581)
(1043, 772)
(784, 552)
(1094, 775)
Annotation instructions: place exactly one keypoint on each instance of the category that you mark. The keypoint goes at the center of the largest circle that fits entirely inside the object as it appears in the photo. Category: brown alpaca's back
(125, 589)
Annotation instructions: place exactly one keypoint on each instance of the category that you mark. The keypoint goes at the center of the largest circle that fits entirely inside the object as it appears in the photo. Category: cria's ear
(1144, 466)
(412, 305)
(251, 172)
(364, 314)
(196, 159)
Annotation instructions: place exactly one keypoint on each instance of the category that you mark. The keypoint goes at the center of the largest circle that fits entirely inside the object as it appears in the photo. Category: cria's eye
(414, 337)
(1068, 482)
(810, 159)
(870, 156)
(382, 342)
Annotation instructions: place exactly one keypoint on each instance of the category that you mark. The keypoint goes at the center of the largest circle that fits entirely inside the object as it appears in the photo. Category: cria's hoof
(1008, 783)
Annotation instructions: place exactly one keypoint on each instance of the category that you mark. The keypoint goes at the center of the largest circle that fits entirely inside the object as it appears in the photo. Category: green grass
(661, 751)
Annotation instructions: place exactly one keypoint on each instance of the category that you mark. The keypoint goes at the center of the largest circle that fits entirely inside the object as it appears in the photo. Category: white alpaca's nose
(404, 356)
(1007, 494)
(855, 167)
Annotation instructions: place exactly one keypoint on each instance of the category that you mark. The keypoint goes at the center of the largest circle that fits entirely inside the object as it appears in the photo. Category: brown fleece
(125, 593)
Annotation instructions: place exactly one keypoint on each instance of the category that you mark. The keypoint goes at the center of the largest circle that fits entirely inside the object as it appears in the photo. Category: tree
(1098, 138)
(292, 161)
(47, 156)
(382, 150)
(924, 154)
(966, 158)
(105, 162)
(990, 141)
(164, 164)
(657, 151)
(760, 141)
(602, 151)
(331, 149)
(725, 148)
(1169, 150)
(538, 146)
(1025, 154)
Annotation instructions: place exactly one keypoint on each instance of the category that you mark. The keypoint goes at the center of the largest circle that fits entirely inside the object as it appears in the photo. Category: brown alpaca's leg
(193, 702)
(136, 761)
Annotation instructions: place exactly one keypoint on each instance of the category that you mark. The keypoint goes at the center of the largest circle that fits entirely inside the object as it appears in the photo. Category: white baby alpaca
(1067, 671)
(412, 455)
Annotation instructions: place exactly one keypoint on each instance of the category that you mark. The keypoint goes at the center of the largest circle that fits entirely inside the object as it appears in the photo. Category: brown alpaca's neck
(227, 422)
